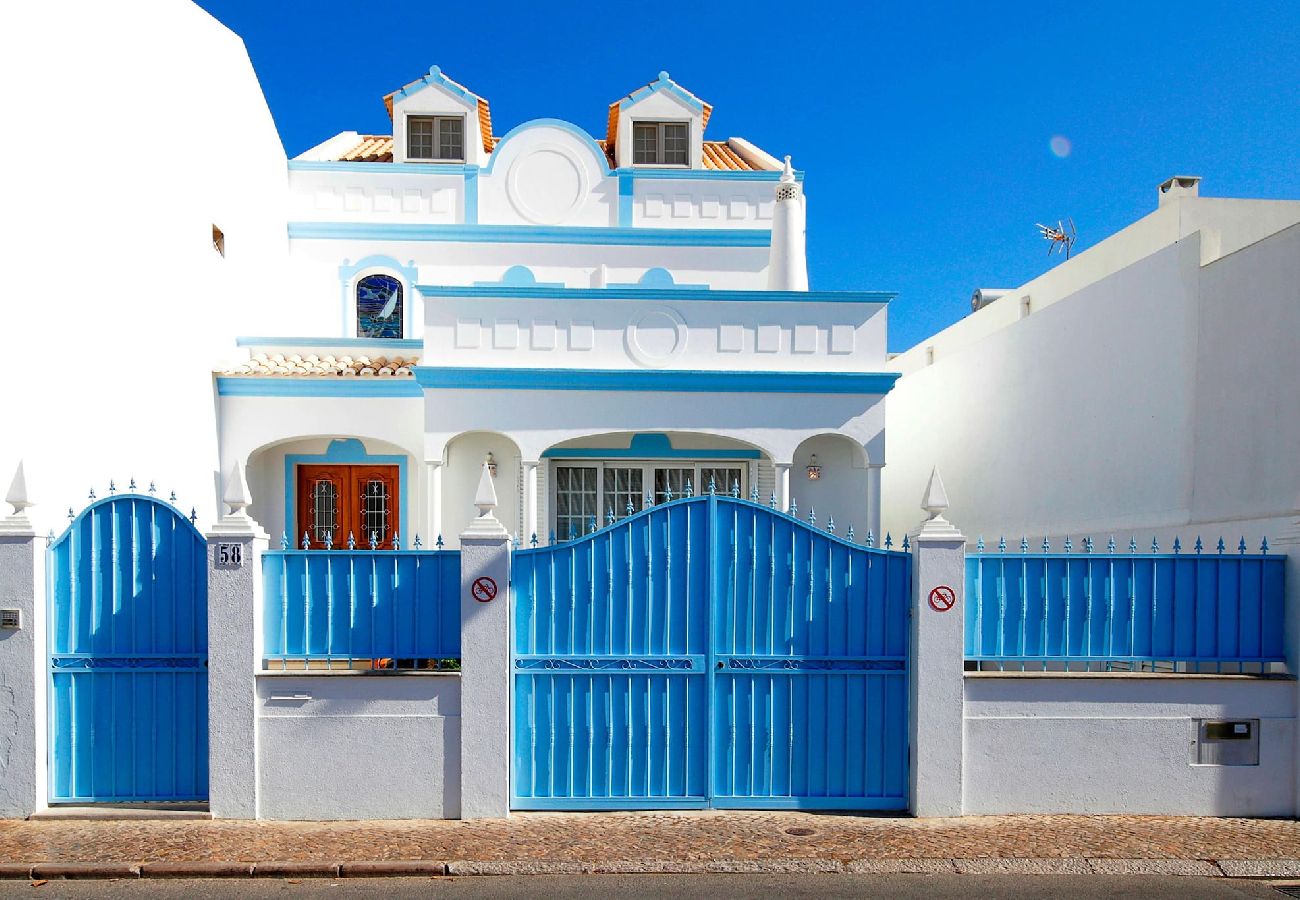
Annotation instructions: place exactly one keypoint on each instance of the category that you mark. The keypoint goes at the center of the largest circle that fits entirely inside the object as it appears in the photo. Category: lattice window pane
(676, 147)
(622, 486)
(451, 138)
(575, 500)
(645, 143)
(325, 512)
(674, 480)
(419, 137)
(724, 478)
(376, 507)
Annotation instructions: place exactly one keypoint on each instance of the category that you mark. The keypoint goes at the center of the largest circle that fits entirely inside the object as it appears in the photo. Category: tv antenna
(1061, 238)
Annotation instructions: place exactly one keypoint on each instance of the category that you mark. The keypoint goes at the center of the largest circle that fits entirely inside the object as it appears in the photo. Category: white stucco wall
(117, 304)
(359, 746)
(1122, 744)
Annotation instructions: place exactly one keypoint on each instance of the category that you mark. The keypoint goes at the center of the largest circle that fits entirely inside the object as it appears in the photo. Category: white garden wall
(1122, 744)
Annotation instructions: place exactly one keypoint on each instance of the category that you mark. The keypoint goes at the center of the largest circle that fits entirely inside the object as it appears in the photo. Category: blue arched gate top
(710, 651)
(128, 644)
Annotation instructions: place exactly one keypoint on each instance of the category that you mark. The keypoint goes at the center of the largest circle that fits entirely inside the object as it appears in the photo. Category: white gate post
(19, 665)
(1289, 543)
(937, 654)
(235, 546)
(485, 661)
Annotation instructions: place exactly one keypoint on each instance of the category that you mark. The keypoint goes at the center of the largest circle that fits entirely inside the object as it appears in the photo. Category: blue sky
(925, 129)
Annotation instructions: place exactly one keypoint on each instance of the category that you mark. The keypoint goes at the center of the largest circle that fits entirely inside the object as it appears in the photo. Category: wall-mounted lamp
(814, 470)
(491, 464)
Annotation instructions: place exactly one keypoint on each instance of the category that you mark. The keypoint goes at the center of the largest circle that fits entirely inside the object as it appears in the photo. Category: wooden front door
(335, 502)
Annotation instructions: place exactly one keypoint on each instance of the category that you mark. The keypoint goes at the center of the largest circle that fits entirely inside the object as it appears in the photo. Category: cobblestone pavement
(606, 840)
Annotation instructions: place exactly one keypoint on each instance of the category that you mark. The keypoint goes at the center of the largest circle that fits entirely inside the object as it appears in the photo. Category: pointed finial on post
(485, 500)
(935, 503)
(18, 523)
(787, 173)
(236, 494)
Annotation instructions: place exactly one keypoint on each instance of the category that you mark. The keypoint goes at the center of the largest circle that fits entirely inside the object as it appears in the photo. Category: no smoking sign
(484, 589)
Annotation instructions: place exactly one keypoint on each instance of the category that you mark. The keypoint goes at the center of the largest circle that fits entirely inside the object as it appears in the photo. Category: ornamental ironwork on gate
(128, 655)
(710, 651)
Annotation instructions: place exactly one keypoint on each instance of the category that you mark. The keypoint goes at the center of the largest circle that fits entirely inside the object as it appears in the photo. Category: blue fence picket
(1124, 608)
(347, 605)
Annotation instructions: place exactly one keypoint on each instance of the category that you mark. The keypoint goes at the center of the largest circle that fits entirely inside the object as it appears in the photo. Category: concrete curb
(424, 868)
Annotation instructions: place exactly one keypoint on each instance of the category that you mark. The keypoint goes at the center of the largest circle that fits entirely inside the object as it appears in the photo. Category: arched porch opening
(831, 475)
(462, 466)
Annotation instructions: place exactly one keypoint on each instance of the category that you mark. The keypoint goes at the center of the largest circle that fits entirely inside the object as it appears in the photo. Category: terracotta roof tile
(373, 148)
(719, 155)
(275, 365)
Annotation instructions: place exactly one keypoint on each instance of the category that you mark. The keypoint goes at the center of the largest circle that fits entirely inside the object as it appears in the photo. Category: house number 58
(230, 556)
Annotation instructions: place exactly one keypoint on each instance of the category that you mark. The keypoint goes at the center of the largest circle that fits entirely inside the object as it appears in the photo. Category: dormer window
(435, 138)
(661, 144)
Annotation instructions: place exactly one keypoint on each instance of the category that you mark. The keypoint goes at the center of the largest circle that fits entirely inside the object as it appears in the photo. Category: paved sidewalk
(568, 843)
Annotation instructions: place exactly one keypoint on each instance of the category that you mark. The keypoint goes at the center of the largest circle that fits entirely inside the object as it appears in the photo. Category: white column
(19, 665)
(433, 513)
(485, 661)
(235, 641)
(530, 526)
(873, 503)
(782, 484)
(936, 689)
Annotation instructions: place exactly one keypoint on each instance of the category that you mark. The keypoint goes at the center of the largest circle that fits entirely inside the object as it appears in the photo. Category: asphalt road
(712, 887)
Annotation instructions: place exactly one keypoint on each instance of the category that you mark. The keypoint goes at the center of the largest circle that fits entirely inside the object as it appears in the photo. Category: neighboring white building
(1146, 385)
(610, 321)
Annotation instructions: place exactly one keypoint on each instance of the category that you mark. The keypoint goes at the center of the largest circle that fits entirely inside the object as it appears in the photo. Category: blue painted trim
(317, 386)
(620, 292)
(638, 173)
(873, 803)
(689, 381)
(520, 277)
(341, 343)
(435, 77)
(471, 196)
(648, 445)
(626, 196)
(597, 803)
(532, 234)
(583, 137)
(663, 83)
(345, 451)
(348, 272)
(431, 167)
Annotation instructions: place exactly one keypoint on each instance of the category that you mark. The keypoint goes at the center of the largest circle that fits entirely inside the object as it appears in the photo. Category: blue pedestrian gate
(128, 653)
(710, 651)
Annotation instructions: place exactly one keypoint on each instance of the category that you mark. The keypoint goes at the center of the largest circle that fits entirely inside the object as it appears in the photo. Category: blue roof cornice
(667, 85)
(678, 292)
(435, 77)
(677, 380)
(532, 234)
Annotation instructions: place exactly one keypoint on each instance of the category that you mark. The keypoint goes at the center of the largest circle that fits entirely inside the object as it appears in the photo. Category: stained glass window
(379, 307)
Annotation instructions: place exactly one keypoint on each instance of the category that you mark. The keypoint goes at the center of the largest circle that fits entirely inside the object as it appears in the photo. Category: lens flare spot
(1060, 145)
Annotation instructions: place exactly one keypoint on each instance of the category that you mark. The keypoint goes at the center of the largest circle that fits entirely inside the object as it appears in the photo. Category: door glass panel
(376, 507)
(724, 478)
(575, 500)
(673, 480)
(325, 511)
(622, 486)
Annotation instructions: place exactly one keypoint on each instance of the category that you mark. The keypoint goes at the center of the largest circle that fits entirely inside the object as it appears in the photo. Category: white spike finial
(236, 494)
(485, 499)
(787, 174)
(936, 498)
(17, 496)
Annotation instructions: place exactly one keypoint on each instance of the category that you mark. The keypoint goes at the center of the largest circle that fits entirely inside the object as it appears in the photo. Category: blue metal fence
(128, 650)
(1177, 611)
(710, 651)
(350, 608)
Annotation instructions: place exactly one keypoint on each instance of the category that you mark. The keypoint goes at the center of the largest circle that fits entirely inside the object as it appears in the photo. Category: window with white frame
(435, 137)
(661, 144)
(587, 493)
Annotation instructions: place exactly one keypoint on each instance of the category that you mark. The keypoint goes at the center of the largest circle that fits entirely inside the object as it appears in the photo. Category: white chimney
(1179, 186)
(787, 267)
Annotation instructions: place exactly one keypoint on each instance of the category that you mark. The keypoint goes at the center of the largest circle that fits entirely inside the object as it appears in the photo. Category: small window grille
(622, 487)
(435, 137)
(376, 503)
(219, 241)
(325, 512)
(661, 143)
(575, 500)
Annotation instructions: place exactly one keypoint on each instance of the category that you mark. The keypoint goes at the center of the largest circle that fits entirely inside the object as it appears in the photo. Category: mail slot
(1227, 742)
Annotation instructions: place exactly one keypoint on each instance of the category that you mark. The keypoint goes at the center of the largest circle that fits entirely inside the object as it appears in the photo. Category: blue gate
(128, 653)
(710, 651)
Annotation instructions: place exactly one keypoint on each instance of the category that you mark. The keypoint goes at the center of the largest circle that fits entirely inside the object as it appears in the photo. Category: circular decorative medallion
(546, 186)
(656, 336)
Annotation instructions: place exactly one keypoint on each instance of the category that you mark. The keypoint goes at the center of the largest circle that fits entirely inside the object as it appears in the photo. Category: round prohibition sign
(942, 598)
(484, 589)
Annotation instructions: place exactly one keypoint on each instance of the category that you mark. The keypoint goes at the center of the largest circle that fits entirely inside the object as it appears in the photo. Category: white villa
(609, 322)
